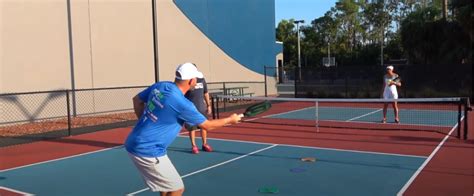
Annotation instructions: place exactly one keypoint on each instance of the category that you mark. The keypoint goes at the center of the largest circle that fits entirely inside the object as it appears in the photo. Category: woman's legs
(395, 111)
(385, 105)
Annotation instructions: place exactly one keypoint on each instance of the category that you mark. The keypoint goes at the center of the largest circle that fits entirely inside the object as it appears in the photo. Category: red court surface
(10, 192)
(449, 172)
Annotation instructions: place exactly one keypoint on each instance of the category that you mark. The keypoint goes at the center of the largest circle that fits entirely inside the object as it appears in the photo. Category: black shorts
(193, 128)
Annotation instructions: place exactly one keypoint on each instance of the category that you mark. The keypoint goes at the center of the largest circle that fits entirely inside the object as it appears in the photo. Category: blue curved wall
(243, 29)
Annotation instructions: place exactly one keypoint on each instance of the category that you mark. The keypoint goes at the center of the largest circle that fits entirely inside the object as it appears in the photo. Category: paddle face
(257, 109)
(397, 79)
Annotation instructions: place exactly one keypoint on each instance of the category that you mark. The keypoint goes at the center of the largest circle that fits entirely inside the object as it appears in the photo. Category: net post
(68, 113)
(317, 116)
(459, 119)
(467, 108)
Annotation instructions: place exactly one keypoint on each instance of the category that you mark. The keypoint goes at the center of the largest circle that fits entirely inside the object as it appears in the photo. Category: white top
(389, 92)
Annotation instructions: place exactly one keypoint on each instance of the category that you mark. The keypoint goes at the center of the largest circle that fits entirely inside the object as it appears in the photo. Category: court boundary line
(62, 158)
(364, 115)
(212, 166)
(16, 191)
(418, 171)
(228, 161)
(369, 122)
(221, 139)
(318, 148)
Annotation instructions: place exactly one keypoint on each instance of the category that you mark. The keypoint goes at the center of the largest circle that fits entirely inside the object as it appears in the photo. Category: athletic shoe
(206, 148)
(195, 150)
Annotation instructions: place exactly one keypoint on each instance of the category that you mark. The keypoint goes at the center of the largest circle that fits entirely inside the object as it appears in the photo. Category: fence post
(346, 85)
(213, 109)
(217, 107)
(296, 78)
(225, 94)
(467, 108)
(68, 113)
(265, 79)
(459, 118)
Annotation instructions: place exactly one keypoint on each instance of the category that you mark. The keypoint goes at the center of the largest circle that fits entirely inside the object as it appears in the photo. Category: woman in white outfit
(389, 91)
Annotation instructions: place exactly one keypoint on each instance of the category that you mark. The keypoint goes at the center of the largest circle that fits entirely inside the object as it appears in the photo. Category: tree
(285, 32)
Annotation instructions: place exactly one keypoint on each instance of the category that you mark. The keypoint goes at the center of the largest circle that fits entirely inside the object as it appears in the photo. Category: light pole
(297, 22)
(329, 53)
(383, 36)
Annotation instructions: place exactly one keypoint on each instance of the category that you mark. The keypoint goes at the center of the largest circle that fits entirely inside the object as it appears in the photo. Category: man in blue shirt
(162, 110)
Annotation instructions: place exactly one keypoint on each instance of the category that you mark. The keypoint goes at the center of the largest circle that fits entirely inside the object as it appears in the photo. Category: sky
(307, 10)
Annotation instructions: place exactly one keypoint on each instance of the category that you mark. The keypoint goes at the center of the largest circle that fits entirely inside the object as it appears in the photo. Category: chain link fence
(418, 81)
(32, 116)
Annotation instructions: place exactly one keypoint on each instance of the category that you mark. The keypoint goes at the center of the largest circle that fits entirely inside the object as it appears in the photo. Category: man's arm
(208, 103)
(212, 124)
(138, 106)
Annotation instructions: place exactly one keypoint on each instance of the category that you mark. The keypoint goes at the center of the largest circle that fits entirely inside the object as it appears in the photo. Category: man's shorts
(193, 128)
(158, 173)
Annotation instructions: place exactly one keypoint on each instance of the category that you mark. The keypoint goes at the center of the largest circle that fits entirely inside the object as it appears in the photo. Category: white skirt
(390, 92)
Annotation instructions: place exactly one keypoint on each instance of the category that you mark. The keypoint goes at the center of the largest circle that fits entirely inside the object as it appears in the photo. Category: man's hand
(212, 124)
(234, 118)
(209, 109)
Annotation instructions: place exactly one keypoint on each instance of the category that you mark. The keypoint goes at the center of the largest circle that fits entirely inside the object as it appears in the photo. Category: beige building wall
(1, 50)
(112, 43)
(122, 43)
(80, 11)
(113, 47)
(35, 49)
(181, 41)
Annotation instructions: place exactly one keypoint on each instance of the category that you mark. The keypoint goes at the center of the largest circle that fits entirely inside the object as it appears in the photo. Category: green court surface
(235, 168)
(441, 118)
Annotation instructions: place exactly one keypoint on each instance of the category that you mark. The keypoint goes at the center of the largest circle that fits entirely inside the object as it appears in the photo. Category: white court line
(213, 166)
(418, 171)
(403, 124)
(319, 148)
(62, 158)
(16, 191)
(240, 141)
(364, 115)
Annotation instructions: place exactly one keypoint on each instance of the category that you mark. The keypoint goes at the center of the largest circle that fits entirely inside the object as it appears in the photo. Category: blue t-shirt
(166, 109)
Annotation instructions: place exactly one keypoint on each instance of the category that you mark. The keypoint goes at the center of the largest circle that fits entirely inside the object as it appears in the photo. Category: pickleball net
(441, 115)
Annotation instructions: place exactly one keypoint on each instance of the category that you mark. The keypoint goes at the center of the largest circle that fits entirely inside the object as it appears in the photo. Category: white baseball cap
(390, 67)
(188, 71)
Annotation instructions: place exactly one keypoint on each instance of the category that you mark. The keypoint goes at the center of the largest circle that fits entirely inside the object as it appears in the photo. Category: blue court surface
(235, 168)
